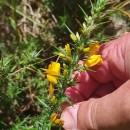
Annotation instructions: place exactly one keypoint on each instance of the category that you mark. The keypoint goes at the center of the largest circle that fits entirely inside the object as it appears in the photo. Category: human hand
(107, 91)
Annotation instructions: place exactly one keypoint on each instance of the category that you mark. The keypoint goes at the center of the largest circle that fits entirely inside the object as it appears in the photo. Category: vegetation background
(30, 30)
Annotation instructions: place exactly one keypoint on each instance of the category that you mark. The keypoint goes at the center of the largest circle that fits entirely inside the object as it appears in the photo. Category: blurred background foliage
(29, 30)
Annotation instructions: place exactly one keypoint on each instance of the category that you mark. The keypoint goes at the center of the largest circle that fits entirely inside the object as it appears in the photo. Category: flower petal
(52, 79)
(51, 90)
(94, 60)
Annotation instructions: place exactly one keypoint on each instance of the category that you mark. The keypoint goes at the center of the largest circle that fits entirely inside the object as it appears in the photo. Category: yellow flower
(59, 122)
(53, 99)
(51, 90)
(92, 49)
(53, 72)
(54, 119)
(93, 60)
(67, 49)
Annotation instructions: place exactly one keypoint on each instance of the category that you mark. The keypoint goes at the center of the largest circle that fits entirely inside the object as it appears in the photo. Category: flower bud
(68, 58)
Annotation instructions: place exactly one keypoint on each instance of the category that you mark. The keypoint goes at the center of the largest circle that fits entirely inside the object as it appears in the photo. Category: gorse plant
(33, 82)
(59, 72)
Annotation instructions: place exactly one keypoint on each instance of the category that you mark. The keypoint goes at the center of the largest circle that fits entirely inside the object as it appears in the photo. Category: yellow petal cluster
(93, 60)
(56, 120)
(92, 49)
(53, 72)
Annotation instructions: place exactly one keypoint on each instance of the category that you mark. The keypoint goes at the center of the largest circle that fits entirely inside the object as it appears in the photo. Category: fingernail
(69, 115)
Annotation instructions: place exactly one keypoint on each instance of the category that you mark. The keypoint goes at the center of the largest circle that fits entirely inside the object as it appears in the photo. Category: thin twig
(122, 11)
(125, 4)
(44, 60)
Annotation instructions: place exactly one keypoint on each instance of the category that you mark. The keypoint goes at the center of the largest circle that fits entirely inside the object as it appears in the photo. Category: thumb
(110, 112)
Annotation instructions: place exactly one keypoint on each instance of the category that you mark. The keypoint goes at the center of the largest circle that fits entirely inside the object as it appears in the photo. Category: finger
(110, 112)
(69, 116)
(78, 93)
(105, 89)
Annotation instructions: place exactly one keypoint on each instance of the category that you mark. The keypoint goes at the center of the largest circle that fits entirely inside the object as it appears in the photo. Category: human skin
(102, 98)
